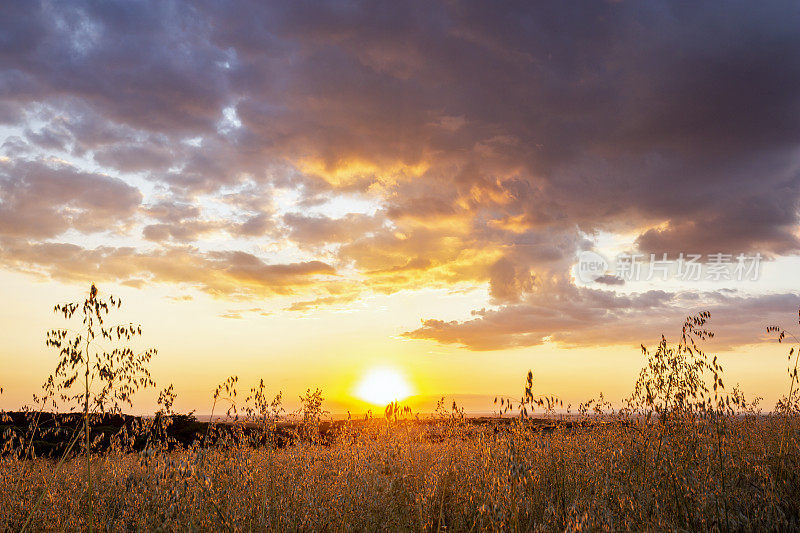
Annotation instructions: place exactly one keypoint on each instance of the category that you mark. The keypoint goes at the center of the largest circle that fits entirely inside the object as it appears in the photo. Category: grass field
(453, 474)
(682, 453)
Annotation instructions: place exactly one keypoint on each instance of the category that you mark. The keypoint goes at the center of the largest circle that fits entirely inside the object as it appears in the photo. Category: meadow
(682, 453)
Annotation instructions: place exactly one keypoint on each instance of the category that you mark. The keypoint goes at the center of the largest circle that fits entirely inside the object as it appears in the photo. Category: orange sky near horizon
(333, 349)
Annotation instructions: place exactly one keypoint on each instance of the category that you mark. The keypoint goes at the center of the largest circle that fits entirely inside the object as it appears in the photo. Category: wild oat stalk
(788, 405)
(111, 374)
(312, 412)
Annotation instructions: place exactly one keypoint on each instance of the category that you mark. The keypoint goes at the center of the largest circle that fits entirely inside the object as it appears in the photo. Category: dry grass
(382, 476)
(682, 454)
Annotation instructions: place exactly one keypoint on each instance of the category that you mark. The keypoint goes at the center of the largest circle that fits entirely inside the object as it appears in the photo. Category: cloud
(610, 279)
(112, 56)
(323, 301)
(637, 118)
(318, 230)
(41, 200)
(233, 274)
(134, 158)
(489, 141)
(239, 314)
(572, 316)
(183, 222)
(556, 310)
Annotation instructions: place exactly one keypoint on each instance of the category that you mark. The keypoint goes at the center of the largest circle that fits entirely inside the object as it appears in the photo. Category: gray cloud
(317, 230)
(494, 137)
(573, 316)
(39, 200)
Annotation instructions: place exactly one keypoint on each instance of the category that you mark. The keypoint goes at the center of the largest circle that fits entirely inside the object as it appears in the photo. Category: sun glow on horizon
(381, 386)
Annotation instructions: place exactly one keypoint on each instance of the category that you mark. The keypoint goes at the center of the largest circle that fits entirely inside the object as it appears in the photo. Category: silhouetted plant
(789, 405)
(528, 402)
(263, 411)
(673, 378)
(312, 413)
(394, 411)
(111, 374)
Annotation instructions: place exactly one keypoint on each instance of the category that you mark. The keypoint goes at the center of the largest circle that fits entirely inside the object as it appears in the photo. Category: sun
(381, 386)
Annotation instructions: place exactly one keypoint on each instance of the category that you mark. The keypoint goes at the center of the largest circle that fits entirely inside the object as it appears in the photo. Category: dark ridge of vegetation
(56, 429)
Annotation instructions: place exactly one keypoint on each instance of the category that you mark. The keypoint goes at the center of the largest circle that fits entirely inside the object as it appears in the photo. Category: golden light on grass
(380, 386)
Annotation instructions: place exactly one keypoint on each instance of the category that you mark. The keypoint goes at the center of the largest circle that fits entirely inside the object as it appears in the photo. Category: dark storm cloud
(494, 136)
(652, 110)
(148, 65)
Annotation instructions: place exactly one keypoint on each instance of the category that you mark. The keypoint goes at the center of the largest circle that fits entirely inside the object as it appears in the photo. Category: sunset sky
(314, 193)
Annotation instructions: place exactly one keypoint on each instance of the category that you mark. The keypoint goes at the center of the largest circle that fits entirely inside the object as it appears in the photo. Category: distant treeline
(48, 434)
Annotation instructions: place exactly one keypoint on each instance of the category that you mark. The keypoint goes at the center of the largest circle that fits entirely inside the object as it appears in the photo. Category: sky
(444, 192)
